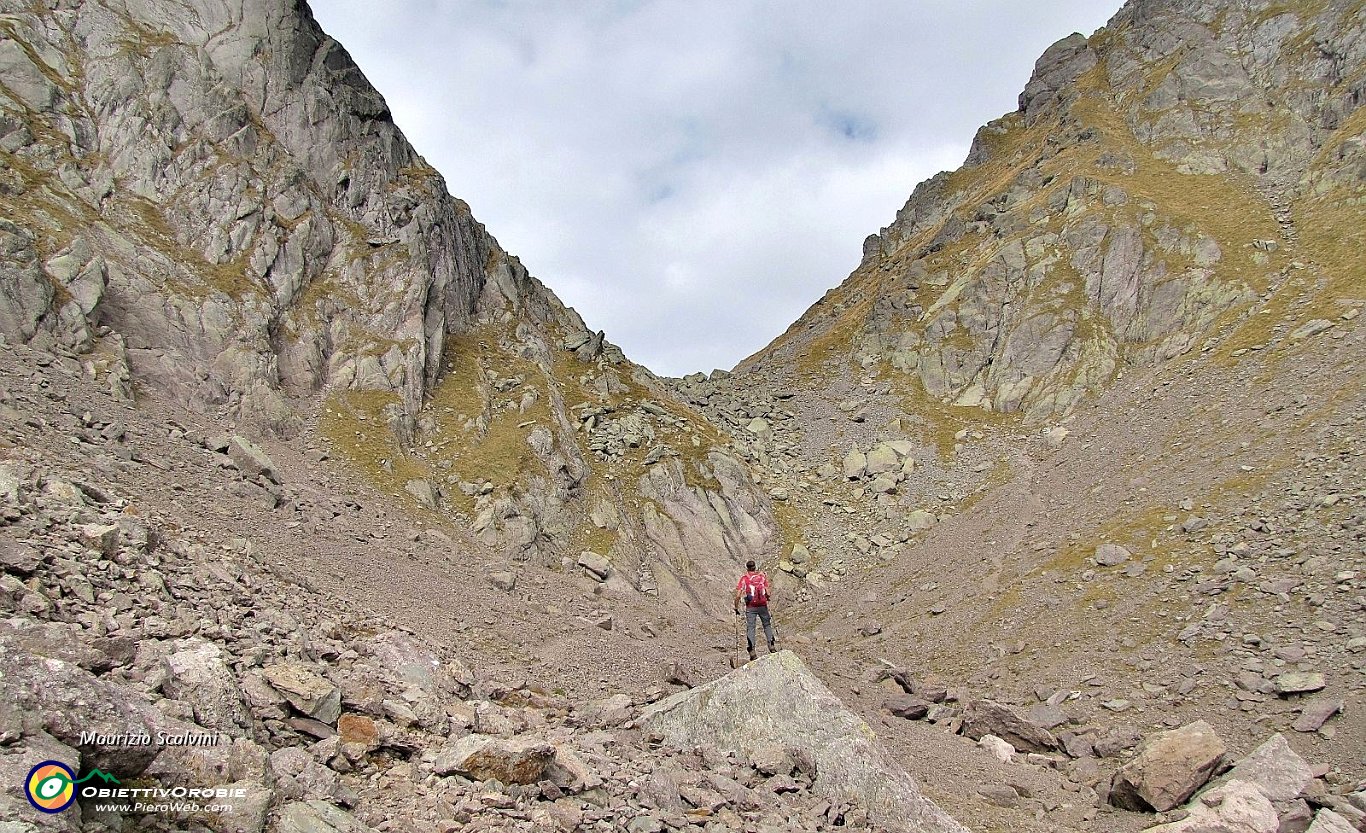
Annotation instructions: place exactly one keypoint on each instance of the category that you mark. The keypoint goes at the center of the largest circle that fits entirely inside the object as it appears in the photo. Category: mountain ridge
(1146, 313)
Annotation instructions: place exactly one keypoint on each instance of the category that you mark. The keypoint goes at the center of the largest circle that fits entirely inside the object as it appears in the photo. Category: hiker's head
(749, 565)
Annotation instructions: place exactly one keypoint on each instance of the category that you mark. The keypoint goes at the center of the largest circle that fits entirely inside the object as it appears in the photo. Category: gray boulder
(250, 460)
(599, 567)
(198, 675)
(920, 520)
(882, 458)
(1111, 555)
(776, 700)
(1235, 807)
(299, 777)
(855, 464)
(423, 492)
(305, 690)
(1275, 769)
(1316, 713)
(1169, 769)
(65, 701)
(1300, 682)
(15, 765)
(987, 717)
(413, 666)
(1329, 822)
(512, 761)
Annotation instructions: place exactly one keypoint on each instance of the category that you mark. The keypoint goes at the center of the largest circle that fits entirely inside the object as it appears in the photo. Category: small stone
(1316, 713)
(997, 748)
(1002, 795)
(1300, 682)
(503, 580)
(1111, 555)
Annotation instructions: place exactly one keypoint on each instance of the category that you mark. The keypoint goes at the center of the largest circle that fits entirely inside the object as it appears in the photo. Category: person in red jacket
(753, 589)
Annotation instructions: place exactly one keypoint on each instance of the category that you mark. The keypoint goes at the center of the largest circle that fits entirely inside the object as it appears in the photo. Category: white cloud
(692, 174)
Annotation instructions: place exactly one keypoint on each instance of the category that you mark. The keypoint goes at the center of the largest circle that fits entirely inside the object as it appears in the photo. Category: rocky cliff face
(209, 203)
(1159, 178)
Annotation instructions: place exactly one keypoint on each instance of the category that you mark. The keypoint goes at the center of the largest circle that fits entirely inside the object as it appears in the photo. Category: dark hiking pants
(760, 613)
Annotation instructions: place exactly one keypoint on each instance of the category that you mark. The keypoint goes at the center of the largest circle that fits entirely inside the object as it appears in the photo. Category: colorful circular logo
(51, 786)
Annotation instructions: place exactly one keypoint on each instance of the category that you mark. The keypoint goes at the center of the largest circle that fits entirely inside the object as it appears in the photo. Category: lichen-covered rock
(776, 700)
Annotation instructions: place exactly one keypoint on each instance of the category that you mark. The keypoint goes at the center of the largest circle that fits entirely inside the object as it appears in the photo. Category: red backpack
(754, 588)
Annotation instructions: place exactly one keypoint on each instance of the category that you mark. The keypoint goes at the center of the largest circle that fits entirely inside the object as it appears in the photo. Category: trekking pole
(736, 658)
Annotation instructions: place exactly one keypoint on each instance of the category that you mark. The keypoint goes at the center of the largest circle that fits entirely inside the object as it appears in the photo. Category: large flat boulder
(1329, 822)
(250, 460)
(512, 761)
(987, 717)
(306, 691)
(318, 817)
(776, 701)
(198, 674)
(1169, 769)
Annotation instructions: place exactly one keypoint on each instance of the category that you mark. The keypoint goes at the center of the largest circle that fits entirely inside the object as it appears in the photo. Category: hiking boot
(752, 655)
(772, 647)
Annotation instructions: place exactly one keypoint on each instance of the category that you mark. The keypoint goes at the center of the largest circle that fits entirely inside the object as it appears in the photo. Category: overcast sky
(691, 175)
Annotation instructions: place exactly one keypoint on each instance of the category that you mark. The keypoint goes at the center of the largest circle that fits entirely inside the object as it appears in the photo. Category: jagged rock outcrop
(219, 186)
(775, 702)
(209, 200)
(1155, 181)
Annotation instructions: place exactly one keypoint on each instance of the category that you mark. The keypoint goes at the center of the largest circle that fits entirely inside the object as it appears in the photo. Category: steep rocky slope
(211, 202)
(154, 587)
(1159, 178)
(1083, 428)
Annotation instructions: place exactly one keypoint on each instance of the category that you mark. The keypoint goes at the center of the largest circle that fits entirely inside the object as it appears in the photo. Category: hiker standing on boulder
(753, 588)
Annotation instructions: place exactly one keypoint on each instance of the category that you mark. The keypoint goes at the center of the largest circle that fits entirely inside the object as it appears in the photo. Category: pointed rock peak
(775, 705)
(1059, 65)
